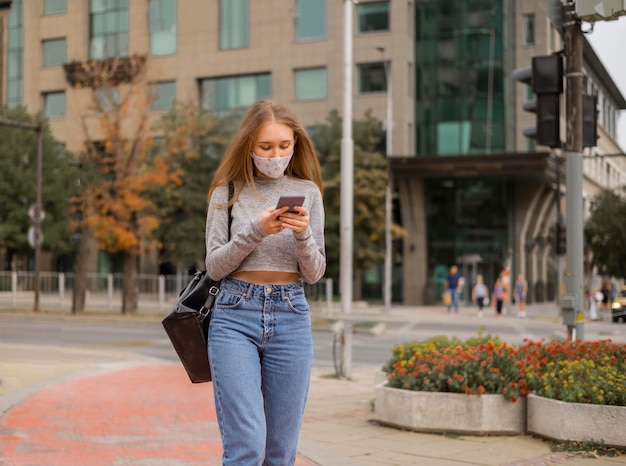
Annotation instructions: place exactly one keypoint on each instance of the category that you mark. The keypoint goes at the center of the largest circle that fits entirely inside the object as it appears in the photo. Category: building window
(54, 104)
(233, 24)
(529, 29)
(15, 56)
(108, 28)
(162, 27)
(310, 19)
(372, 78)
(222, 95)
(54, 7)
(311, 84)
(53, 52)
(373, 16)
(164, 95)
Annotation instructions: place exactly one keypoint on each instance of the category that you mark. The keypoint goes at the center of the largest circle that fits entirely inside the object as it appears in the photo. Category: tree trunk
(130, 293)
(80, 272)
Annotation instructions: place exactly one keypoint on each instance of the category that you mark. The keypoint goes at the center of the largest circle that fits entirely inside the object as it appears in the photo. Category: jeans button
(268, 289)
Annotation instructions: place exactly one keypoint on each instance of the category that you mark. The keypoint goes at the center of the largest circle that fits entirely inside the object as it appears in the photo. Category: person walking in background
(451, 287)
(479, 293)
(606, 293)
(498, 296)
(593, 306)
(521, 288)
(260, 339)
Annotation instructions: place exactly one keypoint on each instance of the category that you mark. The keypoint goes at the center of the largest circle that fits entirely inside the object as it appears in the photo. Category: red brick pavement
(120, 417)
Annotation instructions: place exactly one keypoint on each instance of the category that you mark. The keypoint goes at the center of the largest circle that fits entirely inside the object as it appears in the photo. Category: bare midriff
(267, 277)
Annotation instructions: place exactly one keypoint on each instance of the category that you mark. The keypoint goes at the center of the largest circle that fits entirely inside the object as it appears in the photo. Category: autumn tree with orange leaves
(114, 206)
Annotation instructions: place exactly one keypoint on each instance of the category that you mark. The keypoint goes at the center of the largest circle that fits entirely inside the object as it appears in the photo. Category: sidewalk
(72, 406)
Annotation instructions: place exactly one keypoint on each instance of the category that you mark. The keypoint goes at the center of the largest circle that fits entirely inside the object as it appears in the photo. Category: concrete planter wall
(449, 412)
(559, 420)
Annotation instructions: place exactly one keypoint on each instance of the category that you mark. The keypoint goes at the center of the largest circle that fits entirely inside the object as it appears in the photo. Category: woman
(498, 295)
(521, 289)
(261, 348)
(479, 293)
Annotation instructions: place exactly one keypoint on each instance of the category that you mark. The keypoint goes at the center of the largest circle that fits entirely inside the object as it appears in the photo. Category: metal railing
(157, 293)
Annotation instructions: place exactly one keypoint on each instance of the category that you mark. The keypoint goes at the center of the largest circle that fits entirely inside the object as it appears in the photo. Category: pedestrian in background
(498, 296)
(593, 306)
(451, 287)
(479, 293)
(260, 339)
(521, 289)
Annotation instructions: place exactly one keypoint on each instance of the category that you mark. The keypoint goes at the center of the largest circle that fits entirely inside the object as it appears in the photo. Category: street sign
(31, 237)
(31, 213)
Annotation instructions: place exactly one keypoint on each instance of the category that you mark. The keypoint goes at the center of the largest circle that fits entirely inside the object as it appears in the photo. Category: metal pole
(574, 169)
(347, 183)
(388, 206)
(38, 217)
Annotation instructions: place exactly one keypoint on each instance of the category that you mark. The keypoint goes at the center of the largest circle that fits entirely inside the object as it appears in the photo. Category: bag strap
(231, 193)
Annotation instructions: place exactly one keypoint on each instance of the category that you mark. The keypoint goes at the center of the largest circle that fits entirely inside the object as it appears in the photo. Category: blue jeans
(261, 353)
(454, 299)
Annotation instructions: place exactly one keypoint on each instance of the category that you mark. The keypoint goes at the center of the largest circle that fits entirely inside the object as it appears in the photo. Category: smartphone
(291, 201)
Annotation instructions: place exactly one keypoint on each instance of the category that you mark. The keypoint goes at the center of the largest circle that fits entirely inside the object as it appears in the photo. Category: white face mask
(272, 167)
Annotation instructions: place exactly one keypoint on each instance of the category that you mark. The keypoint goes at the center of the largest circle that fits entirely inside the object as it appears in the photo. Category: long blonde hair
(237, 165)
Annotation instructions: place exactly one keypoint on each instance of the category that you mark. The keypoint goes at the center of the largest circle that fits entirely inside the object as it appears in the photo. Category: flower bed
(578, 372)
(584, 372)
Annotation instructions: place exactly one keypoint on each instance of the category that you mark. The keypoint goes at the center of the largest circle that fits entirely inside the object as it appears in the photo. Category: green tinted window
(224, 94)
(53, 52)
(310, 19)
(311, 84)
(162, 27)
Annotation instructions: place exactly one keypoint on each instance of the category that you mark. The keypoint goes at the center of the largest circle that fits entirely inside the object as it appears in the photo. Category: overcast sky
(608, 39)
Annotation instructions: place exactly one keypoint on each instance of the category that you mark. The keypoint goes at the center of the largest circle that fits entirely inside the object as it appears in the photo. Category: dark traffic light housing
(546, 78)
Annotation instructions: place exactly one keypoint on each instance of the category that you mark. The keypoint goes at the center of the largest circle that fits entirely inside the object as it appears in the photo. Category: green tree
(605, 232)
(18, 172)
(370, 181)
(195, 140)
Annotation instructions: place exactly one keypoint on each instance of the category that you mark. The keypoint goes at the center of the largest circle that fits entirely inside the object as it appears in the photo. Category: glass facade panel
(54, 7)
(233, 24)
(311, 84)
(310, 19)
(372, 78)
(54, 104)
(108, 34)
(164, 95)
(373, 16)
(15, 55)
(54, 52)
(221, 95)
(459, 77)
(466, 217)
(162, 27)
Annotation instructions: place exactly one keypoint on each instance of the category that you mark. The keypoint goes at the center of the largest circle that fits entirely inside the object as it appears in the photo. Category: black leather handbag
(187, 324)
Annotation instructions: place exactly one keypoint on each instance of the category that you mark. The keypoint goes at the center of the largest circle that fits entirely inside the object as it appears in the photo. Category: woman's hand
(276, 220)
(296, 222)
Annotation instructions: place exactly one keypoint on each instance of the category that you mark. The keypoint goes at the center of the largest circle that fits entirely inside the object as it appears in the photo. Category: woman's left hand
(296, 222)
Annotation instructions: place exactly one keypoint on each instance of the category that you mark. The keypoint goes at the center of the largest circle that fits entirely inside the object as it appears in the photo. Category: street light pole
(388, 205)
(346, 193)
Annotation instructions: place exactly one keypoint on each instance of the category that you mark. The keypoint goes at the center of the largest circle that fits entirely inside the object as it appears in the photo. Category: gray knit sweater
(251, 247)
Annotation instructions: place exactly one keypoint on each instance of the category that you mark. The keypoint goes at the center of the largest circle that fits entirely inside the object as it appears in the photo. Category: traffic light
(590, 120)
(560, 237)
(545, 76)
